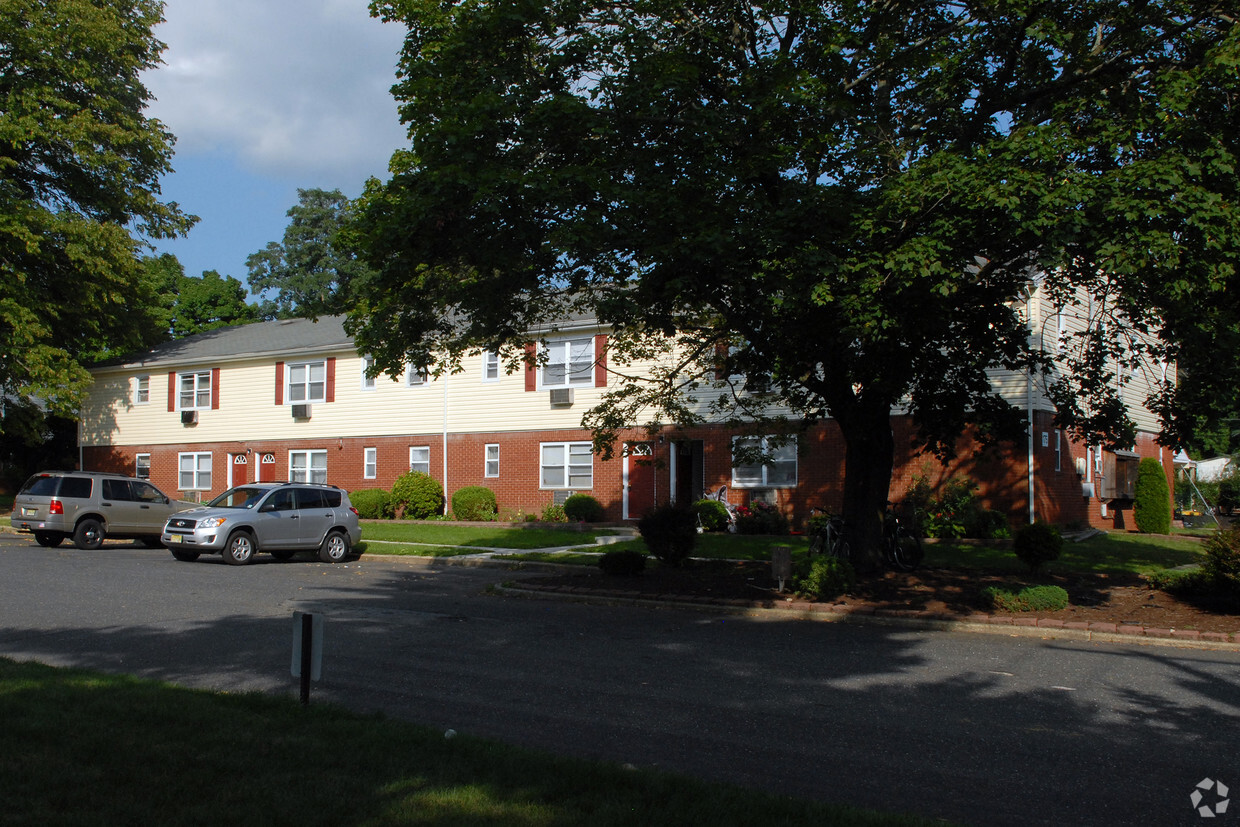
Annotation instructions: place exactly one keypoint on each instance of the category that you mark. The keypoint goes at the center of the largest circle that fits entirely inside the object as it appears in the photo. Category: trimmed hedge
(711, 514)
(1028, 599)
(1037, 544)
(582, 508)
(670, 532)
(1151, 508)
(372, 503)
(474, 503)
(417, 496)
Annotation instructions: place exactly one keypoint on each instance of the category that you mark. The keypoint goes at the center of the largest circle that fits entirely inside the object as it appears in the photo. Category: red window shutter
(531, 366)
(600, 360)
(172, 391)
(215, 389)
(721, 355)
(329, 394)
(279, 383)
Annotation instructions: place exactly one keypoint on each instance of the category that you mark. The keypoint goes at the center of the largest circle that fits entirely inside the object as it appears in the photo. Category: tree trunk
(869, 456)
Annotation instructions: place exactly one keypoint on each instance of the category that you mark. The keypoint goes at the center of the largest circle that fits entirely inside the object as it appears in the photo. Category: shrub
(670, 532)
(828, 577)
(1228, 499)
(553, 513)
(987, 524)
(954, 511)
(1152, 506)
(1222, 563)
(1028, 599)
(582, 508)
(712, 514)
(760, 518)
(417, 495)
(372, 503)
(1185, 583)
(1037, 544)
(474, 502)
(625, 562)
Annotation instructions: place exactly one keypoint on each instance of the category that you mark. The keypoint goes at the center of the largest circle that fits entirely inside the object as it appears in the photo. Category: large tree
(80, 164)
(844, 201)
(311, 271)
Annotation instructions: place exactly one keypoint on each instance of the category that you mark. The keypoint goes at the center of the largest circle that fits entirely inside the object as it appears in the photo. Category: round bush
(670, 532)
(372, 503)
(625, 562)
(828, 577)
(474, 503)
(582, 508)
(1151, 509)
(760, 518)
(712, 514)
(1037, 544)
(417, 495)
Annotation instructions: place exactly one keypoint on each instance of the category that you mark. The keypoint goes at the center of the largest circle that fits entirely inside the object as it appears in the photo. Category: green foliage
(1038, 544)
(1228, 499)
(553, 513)
(210, 302)
(1222, 563)
(417, 496)
(760, 518)
(582, 508)
(474, 503)
(1027, 599)
(80, 165)
(954, 511)
(712, 514)
(1152, 508)
(670, 532)
(313, 270)
(828, 577)
(372, 504)
(626, 562)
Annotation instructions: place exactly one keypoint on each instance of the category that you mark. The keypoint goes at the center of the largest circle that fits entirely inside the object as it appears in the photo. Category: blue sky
(264, 98)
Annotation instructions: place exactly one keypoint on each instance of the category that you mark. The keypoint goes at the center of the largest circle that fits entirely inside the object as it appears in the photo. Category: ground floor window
(194, 471)
(566, 465)
(307, 466)
(142, 466)
(370, 463)
(420, 458)
(491, 461)
(777, 467)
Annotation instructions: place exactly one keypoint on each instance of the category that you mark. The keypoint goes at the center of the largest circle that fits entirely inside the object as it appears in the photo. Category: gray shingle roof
(282, 337)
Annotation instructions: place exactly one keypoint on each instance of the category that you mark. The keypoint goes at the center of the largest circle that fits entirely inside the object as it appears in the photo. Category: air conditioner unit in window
(301, 412)
(562, 398)
(189, 417)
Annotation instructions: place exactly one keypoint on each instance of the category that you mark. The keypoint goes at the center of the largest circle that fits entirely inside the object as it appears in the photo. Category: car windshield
(238, 498)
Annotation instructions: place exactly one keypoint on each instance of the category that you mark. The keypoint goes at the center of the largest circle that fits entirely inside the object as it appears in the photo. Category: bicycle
(902, 548)
(827, 535)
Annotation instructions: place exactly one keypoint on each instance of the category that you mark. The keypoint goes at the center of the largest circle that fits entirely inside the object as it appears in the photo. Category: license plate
(175, 538)
(29, 512)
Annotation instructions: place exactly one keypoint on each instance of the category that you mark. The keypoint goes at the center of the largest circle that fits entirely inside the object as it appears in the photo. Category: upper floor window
(570, 363)
(141, 390)
(415, 378)
(490, 366)
(368, 381)
(194, 390)
(777, 468)
(307, 382)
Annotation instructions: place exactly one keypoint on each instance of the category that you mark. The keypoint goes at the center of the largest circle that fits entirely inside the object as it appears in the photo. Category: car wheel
(49, 539)
(283, 554)
(240, 549)
(335, 547)
(184, 556)
(89, 534)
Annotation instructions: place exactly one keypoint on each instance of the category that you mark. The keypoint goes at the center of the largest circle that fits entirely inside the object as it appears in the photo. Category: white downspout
(445, 445)
(1029, 408)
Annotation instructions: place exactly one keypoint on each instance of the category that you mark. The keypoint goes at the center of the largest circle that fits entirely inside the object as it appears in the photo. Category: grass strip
(86, 748)
(476, 536)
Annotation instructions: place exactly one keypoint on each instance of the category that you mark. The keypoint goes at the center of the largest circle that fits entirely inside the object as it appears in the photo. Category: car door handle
(106, 505)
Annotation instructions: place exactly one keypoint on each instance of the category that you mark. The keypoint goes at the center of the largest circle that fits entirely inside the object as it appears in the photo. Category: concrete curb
(1045, 628)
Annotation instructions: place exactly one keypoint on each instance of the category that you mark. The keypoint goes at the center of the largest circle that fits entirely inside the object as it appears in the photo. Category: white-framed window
(307, 382)
(194, 471)
(778, 471)
(368, 381)
(194, 391)
(420, 458)
(490, 366)
(1058, 450)
(370, 463)
(307, 466)
(566, 465)
(142, 390)
(570, 363)
(142, 466)
(415, 378)
(490, 461)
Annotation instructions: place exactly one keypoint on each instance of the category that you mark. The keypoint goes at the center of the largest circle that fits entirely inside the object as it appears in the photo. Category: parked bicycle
(902, 548)
(827, 535)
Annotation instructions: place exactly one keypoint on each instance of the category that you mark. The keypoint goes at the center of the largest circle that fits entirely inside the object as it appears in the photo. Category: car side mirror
(266, 507)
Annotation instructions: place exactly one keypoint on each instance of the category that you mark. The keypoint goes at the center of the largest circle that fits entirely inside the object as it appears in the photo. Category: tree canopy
(845, 201)
(312, 270)
(191, 305)
(80, 164)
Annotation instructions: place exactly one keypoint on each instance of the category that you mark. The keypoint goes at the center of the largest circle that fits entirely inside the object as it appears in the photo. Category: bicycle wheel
(906, 551)
(816, 545)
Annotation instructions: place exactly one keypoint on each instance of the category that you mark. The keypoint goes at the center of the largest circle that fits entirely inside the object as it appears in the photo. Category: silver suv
(90, 506)
(281, 518)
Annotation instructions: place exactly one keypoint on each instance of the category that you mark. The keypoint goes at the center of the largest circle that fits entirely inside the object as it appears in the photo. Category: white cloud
(294, 88)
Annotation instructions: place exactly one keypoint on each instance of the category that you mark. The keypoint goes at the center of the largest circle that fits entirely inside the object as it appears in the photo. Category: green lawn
(476, 536)
(86, 748)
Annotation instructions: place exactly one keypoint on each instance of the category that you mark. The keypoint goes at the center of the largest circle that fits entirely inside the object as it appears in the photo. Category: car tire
(184, 556)
(335, 548)
(49, 539)
(89, 534)
(240, 548)
(283, 554)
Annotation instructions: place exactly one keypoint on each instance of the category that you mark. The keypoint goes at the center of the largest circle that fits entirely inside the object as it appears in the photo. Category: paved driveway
(979, 729)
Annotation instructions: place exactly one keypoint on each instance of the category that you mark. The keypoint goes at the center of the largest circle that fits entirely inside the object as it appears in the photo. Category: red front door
(639, 479)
